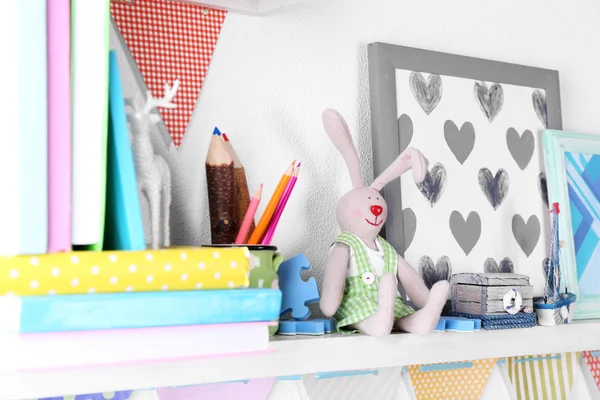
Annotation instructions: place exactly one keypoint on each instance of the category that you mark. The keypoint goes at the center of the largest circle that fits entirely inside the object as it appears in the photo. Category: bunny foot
(423, 322)
(381, 323)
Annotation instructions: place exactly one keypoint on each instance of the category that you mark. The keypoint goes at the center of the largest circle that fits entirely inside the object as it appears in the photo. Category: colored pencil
(242, 194)
(259, 232)
(249, 217)
(281, 207)
(220, 183)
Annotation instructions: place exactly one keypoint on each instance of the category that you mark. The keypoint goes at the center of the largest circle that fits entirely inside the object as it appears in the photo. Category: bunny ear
(409, 159)
(338, 132)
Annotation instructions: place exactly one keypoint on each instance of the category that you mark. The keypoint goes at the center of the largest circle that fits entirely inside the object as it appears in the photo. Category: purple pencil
(281, 206)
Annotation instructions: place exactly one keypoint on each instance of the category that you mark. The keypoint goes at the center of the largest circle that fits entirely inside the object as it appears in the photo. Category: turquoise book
(124, 227)
(81, 312)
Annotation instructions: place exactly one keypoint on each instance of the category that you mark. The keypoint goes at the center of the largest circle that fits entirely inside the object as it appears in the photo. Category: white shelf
(302, 355)
(251, 7)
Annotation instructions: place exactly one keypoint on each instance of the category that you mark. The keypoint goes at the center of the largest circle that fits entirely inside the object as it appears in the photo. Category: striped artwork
(583, 178)
(548, 377)
(353, 385)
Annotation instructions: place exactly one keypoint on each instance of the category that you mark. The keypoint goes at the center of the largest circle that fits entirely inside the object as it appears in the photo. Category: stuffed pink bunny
(362, 271)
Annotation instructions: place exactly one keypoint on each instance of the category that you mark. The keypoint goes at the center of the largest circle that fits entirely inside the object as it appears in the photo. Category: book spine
(9, 151)
(90, 118)
(33, 126)
(149, 309)
(59, 125)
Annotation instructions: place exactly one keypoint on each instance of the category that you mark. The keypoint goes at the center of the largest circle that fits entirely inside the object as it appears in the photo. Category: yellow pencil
(260, 229)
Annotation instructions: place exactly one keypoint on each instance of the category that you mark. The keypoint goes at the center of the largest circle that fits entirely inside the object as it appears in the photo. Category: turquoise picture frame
(572, 163)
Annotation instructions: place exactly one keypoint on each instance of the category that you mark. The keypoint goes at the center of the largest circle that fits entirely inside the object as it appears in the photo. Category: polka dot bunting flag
(445, 381)
(170, 40)
(593, 363)
(125, 271)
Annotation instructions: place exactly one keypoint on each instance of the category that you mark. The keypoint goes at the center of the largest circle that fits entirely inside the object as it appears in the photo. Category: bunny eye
(378, 198)
(369, 197)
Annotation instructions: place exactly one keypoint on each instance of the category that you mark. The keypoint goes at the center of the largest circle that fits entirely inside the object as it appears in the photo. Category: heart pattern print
(432, 273)
(428, 93)
(482, 204)
(490, 100)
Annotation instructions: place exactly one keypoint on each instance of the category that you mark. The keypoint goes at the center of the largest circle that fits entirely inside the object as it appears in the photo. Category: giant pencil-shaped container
(220, 183)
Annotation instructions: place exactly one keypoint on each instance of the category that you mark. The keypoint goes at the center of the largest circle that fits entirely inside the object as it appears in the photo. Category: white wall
(271, 77)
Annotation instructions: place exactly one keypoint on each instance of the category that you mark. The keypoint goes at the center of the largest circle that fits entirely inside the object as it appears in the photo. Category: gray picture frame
(384, 59)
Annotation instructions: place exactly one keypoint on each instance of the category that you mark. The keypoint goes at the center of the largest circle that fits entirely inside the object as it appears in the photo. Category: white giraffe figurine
(152, 171)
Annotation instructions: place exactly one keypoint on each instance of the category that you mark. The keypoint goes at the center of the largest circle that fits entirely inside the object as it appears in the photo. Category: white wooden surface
(302, 355)
(250, 7)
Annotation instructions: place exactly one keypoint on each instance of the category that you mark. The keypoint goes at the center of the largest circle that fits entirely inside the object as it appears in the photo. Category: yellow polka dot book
(125, 271)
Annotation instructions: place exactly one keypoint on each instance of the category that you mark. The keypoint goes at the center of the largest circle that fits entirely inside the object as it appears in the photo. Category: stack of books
(77, 285)
(124, 306)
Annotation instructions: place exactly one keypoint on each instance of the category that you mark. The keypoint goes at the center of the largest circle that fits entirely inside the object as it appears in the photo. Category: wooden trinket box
(485, 294)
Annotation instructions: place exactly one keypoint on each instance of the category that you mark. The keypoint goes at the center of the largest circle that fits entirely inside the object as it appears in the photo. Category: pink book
(59, 125)
(74, 349)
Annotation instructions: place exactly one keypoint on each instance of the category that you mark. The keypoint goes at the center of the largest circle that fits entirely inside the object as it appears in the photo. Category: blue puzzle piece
(296, 293)
(458, 324)
(308, 327)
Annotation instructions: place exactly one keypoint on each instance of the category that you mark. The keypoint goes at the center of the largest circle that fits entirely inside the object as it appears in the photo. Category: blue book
(37, 314)
(124, 227)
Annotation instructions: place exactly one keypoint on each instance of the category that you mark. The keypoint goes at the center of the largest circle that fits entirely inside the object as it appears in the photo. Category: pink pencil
(249, 217)
(281, 206)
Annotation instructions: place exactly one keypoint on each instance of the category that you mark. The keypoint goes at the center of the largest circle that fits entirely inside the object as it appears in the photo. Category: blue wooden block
(297, 294)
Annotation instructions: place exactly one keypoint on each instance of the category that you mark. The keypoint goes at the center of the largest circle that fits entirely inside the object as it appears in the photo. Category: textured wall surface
(271, 77)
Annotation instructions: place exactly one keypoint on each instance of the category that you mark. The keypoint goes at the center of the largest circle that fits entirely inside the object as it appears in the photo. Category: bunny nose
(376, 210)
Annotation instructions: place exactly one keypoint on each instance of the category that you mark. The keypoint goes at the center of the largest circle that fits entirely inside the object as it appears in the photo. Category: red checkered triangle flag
(170, 40)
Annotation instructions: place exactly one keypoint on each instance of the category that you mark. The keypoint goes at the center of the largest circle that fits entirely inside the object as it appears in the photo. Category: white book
(90, 52)
(23, 153)
(42, 351)
(9, 150)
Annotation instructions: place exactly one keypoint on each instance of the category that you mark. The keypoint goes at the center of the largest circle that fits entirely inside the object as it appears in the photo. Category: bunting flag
(548, 376)
(170, 40)
(592, 360)
(254, 389)
(121, 395)
(458, 381)
(353, 385)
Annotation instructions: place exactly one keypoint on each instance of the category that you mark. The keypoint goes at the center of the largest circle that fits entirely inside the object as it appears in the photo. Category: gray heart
(490, 100)
(495, 188)
(520, 147)
(491, 267)
(427, 93)
(467, 232)
(539, 105)
(405, 130)
(409, 221)
(526, 234)
(543, 188)
(441, 271)
(434, 183)
(460, 142)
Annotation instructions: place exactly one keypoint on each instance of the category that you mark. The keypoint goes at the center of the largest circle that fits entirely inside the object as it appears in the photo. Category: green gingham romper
(361, 299)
